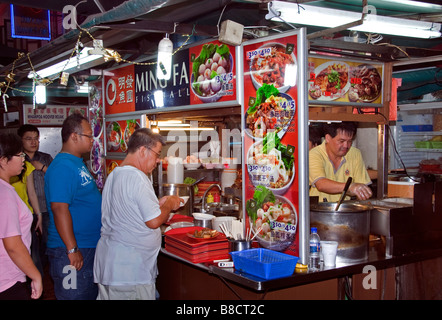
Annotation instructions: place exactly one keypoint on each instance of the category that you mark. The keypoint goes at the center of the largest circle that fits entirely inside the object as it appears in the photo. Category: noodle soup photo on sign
(271, 164)
(268, 65)
(272, 111)
(273, 217)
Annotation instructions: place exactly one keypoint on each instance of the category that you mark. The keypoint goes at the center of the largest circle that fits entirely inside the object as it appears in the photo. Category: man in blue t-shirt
(74, 204)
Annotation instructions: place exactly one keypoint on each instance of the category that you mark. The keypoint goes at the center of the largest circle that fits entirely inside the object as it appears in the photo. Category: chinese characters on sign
(49, 116)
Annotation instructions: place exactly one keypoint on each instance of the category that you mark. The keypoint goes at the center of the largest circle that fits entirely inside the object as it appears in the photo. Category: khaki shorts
(136, 292)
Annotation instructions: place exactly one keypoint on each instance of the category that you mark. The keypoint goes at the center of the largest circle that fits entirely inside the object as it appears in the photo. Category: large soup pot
(349, 226)
(169, 189)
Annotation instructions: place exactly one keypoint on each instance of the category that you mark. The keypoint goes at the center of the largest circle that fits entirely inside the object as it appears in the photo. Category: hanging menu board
(202, 76)
(270, 144)
(334, 81)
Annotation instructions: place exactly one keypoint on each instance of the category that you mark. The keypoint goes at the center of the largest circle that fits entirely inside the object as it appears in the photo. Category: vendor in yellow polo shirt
(333, 161)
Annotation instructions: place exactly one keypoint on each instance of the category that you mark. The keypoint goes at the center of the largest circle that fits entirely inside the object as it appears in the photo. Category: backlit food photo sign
(345, 82)
(270, 144)
(212, 73)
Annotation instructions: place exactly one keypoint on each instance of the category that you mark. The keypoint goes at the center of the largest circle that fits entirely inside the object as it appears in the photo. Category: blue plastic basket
(264, 263)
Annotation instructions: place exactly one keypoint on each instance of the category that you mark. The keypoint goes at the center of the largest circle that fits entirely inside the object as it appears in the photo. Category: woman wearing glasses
(15, 228)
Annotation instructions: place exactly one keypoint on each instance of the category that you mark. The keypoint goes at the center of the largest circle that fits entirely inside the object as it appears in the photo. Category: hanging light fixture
(164, 60)
(40, 93)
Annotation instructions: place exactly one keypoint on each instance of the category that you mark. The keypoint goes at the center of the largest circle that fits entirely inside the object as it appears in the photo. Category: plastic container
(422, 144)
(436, 144)
(264, 263)
(315, 250)
(417, 128)
(175, 171)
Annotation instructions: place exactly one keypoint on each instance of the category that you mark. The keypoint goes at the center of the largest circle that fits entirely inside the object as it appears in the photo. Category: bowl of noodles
(331, 81)
(271, 164)
(273, 217)
(114, 136)
(131, 126)
(269, 64)
(272, 111)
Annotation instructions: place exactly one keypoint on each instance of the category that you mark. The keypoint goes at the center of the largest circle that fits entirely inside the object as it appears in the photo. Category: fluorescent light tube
(72, 65)
(330, 18)
(83, 88)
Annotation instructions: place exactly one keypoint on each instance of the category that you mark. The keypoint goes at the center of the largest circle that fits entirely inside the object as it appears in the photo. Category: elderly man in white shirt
(126, 255)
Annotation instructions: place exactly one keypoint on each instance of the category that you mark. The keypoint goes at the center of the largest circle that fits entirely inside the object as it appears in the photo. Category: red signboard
(119, 90)
(270, 147)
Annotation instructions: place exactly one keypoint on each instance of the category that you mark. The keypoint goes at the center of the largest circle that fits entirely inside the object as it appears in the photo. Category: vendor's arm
(63, 223)
(167, 205)
(359, 190)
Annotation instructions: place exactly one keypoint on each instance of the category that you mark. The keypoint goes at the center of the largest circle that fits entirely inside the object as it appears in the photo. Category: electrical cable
(347, 288)
(394, 146)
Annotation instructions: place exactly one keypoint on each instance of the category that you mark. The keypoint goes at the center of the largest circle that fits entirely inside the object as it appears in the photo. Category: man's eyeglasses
(85, 135)
(157, 154)
(21, 154)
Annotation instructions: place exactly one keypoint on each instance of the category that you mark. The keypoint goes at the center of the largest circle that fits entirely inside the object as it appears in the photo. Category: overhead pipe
(127, 10)
(174, 22)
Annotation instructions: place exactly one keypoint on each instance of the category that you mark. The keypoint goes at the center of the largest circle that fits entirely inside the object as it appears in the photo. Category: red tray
(207, 256)
(197, 249)
(179, 218)
(180, 235)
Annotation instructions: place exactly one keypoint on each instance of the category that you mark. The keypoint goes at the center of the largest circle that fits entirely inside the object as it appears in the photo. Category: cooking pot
(349, 226)
(180, 190)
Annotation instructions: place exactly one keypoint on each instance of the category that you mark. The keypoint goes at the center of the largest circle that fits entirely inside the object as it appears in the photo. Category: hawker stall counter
(328, 283)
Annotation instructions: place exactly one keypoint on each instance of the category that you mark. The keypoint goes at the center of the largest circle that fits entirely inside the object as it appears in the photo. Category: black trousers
(19, 291)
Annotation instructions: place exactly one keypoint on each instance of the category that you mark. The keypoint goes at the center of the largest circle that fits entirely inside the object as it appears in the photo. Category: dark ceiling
(134, 28)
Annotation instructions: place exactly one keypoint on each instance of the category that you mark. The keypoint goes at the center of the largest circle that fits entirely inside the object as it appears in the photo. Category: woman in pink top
(15, 228)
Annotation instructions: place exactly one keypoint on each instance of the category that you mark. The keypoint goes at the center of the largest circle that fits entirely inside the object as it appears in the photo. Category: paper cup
(329, 250)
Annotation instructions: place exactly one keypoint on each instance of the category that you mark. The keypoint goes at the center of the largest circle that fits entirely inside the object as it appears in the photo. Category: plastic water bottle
(315, 250)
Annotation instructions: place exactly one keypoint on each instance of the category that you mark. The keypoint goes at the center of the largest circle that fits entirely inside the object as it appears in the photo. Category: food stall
(272, 116)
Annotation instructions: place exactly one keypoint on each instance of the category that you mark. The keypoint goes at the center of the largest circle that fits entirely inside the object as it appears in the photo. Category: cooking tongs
(347, 185)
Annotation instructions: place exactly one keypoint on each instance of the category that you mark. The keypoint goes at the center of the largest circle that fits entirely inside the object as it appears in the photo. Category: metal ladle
(347, 185)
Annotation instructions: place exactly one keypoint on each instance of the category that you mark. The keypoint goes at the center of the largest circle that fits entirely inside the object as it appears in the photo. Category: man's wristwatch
(73, 250)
